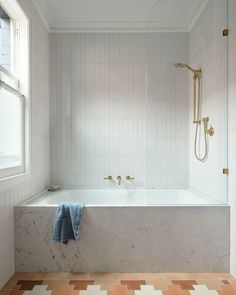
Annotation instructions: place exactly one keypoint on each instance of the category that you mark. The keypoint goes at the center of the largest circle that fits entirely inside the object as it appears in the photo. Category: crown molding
(57, 27)
(126, 27)
(41, 14)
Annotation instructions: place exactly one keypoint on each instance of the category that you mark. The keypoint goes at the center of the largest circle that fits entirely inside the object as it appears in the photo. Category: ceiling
(119, 15)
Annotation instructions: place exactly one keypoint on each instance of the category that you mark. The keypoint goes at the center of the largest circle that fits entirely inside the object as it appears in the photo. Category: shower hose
(197, 96)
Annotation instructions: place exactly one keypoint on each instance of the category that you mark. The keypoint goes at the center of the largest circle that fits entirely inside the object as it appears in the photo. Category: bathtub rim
(26, 203)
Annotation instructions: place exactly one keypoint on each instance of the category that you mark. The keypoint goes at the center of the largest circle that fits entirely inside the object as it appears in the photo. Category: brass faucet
(108, 178)
(119, 179)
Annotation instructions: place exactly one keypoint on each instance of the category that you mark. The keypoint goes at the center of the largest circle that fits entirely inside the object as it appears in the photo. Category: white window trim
(22, 174)
(9, 83)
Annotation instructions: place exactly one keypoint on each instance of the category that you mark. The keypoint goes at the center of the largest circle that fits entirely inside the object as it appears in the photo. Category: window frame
(20, 32)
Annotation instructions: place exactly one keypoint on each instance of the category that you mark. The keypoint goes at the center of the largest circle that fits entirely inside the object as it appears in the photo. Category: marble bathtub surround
(120, 284)
(142, 242)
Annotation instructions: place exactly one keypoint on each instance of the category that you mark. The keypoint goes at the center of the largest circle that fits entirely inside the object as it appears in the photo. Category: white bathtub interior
(123, 197)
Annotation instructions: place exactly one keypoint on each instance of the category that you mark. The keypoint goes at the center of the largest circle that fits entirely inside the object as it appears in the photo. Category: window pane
(5, 40)
(10, 129)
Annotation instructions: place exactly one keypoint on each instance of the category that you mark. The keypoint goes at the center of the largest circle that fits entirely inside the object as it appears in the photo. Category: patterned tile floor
(119, 284)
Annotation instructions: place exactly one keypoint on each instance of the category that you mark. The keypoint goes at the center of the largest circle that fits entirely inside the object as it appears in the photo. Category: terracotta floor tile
(55, 276)
(114, 276)
(19, 292)
(176, 290)
(10, 284)
(28, 284)
(55, 284)
(224, 276)
(16, 290)
(226, 282)
(162, 284)
(133, 284)
(121, 283)
(185, 284)
(78, 276)
(176, 276)
(199, 277)
(121, 290)
(212, 284)
(81, 284)
(67, 290)
(227, 290)
(36, 276)
(146, 276)
(108, 285)
(233, 283)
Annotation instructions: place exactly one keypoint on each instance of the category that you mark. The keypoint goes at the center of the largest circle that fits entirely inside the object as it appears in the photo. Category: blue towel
(67, 222)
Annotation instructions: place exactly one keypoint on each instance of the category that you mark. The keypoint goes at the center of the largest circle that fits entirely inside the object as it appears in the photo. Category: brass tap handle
(130, 178)
(211, 131)
(119, 179)
(108, 178)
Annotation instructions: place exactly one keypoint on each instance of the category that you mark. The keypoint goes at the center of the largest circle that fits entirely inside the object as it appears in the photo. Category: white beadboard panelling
(40, 143)
(208, 50)
(115, 99)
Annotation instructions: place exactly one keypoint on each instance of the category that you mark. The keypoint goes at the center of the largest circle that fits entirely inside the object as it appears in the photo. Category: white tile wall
(208, 51)
(118, 107)
(40, 142)
(232, 130)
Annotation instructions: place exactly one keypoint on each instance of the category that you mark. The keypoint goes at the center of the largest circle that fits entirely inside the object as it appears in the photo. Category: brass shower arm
(197, 73)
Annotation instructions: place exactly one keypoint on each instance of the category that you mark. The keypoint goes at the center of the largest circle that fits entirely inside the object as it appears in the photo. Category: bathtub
(123, 197)
(138, 230)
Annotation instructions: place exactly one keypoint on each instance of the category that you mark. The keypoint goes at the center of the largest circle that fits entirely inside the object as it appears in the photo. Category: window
(5, 39)
(14, 97)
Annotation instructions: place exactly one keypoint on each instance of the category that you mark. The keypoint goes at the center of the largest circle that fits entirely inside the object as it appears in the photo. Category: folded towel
(67, 222)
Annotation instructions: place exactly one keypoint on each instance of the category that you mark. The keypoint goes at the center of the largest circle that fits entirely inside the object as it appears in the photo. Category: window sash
(5, 72)
(10, 83)
(10, 89)
(21, 168)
